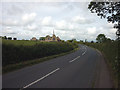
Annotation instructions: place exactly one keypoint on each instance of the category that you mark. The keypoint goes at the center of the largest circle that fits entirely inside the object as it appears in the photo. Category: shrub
(17, 51)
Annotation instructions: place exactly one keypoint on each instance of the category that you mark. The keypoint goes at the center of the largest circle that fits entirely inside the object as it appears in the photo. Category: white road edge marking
(41, 78)
(74, 59)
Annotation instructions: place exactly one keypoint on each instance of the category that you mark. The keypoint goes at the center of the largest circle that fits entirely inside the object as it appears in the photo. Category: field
(20, 50)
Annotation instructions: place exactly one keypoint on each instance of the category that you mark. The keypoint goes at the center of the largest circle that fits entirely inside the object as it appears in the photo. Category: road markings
(74, 59)
(85, 51)
(41, 78)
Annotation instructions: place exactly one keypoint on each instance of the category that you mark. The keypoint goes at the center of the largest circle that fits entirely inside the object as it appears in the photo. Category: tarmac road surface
(84, 68)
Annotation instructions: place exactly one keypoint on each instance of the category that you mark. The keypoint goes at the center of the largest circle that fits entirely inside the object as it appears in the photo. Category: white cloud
(71, 26)
(28, 18)
(113, 31)
(65, 25)
(8, 30)
(10, 22)
(47, 21)
(32, 27)
(109, 25)
(80, 20)
(39, 19)
(25, 19)
(61, 24)
(92, 30)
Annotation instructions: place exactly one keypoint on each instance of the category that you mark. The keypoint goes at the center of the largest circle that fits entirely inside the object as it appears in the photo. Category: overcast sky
(25, 20)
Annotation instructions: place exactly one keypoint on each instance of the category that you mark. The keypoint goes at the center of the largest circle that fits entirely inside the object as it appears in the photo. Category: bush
(18, 51)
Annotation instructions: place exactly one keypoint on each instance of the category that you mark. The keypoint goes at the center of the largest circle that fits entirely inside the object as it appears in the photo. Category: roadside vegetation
(109, 49)
(110, 11)
(17, 51)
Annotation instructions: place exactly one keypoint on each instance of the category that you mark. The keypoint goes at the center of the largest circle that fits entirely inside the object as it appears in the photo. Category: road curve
(84, 68)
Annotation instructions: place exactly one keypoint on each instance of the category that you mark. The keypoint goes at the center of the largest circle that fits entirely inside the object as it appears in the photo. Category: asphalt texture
(84, 68)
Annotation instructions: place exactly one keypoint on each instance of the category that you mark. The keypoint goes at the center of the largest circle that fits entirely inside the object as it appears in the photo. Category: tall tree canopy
(109, 10)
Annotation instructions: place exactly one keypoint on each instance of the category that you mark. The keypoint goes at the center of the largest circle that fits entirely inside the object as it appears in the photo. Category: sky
(69, 20)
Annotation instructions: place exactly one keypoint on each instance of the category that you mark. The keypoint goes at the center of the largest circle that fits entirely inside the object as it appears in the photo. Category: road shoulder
(103, 79)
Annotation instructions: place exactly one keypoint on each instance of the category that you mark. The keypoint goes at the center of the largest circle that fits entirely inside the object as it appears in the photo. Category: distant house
(52, 39)
(34, 39)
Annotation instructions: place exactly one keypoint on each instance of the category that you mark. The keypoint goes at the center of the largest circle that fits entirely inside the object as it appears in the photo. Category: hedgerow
(19, 50)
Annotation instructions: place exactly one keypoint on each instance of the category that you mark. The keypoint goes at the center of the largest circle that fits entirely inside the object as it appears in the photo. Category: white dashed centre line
(41, 78)
(74, 59)
(85, 51)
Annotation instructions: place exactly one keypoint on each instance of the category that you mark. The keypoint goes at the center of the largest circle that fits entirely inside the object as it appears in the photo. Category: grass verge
(13, 67)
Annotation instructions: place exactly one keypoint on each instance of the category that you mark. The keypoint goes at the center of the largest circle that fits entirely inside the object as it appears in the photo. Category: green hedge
(18, 51)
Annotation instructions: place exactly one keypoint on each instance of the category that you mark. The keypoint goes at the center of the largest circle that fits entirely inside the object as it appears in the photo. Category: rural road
(84, 68)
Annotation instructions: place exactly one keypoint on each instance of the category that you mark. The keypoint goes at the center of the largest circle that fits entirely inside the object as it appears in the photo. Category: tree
(69, 40)
(9, 38)
(108, 40)
(4, 37)
(42, 38)
(62, 41)
(81, 40)
(14, 38)
(107, 9)
(101, 38)
(74, 40)
(92, 41)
